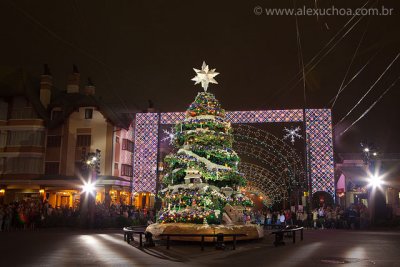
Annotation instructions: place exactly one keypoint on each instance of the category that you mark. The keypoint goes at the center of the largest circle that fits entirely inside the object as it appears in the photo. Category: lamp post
(91, 162)
(370, 154)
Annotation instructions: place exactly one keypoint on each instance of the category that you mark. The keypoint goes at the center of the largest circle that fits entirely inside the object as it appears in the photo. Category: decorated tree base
(252, 231)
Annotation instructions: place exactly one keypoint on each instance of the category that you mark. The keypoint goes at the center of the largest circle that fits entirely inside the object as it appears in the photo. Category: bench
(130, 231)
(279, 235)
(274, 226)
(220, 238)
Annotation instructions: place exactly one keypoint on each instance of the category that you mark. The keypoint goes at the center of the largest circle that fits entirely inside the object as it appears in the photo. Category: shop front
(143, 200)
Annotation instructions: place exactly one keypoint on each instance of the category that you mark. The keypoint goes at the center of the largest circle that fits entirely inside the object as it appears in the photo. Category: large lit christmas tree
(201, 175)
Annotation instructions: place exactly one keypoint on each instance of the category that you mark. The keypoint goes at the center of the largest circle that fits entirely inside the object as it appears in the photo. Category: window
(117, 140)
(83, 140)
(51, 168)
(116, 166)
(126, 170)
(3, 139)
(25, 138)
(53, 141)
(24, 165)
(127, 145)
(88, 113)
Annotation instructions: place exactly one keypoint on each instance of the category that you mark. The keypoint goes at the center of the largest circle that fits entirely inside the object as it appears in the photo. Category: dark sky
(140, 50)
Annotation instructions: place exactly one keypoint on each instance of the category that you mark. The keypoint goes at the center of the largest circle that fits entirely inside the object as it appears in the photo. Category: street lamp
(91, 162)
(375, 181)
(368, 150)
(89, 188)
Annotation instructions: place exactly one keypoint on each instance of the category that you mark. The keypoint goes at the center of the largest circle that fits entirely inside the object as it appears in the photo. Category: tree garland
(204, 143)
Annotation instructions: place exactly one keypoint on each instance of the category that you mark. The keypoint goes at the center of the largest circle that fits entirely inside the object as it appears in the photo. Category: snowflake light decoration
(170, 135)
(292, 133)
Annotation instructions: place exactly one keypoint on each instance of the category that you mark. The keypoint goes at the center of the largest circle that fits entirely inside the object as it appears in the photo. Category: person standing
(282, 218)
(321, 215)
(315, 218)
(278, 218)
(262, 218)
(269, 217)
(288, 217)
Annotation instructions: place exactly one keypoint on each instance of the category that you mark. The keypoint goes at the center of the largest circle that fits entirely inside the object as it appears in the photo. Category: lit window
(88, 113)
(126, 170)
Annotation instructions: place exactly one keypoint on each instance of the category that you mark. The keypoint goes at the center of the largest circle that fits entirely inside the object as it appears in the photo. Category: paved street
(320, 248)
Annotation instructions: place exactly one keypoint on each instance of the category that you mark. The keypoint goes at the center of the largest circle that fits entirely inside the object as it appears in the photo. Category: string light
(318, 131)
(204, 142)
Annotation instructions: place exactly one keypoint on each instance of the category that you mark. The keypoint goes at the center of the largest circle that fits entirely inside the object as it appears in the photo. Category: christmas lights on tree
(202, 175)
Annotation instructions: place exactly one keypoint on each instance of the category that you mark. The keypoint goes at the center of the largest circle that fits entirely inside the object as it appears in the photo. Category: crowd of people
(33, 213)
(353, 217)
(30, 214)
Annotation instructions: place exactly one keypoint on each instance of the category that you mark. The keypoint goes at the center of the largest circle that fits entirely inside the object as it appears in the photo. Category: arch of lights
(263, 182)
(319, 150)
(283, 167)
(267, 147)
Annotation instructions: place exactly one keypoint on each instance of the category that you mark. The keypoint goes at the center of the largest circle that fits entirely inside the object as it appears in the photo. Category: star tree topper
(205, 76)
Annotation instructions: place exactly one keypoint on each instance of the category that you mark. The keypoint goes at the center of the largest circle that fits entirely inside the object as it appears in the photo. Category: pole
(306, 159)
(157, 204)
(92, 200)
(371, 169)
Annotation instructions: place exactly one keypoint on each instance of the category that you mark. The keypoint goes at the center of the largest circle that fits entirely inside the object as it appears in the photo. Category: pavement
(65, 247)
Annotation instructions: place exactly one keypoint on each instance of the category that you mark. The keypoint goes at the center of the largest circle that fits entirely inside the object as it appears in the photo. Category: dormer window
(88, 113)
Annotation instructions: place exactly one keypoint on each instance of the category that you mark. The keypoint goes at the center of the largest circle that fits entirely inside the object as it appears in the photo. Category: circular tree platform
(252, 231)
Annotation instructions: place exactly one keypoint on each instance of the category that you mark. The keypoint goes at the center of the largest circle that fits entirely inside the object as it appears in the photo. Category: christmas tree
(202, 174)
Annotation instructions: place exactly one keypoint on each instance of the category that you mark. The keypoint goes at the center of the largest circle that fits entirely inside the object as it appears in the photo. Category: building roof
(69, 102)
(16, 82)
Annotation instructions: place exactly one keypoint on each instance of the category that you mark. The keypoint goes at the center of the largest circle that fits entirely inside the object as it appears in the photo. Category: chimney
(151, 108)
(46, 84)
(73, 81)
(89, 88)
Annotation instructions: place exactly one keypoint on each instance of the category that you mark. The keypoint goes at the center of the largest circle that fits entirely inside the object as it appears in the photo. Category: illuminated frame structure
(318, 139)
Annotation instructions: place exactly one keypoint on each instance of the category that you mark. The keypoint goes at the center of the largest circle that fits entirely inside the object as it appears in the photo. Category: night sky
(140, 50)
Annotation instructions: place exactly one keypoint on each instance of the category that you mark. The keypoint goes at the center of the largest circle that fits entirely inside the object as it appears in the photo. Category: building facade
(22, 137)
(354, 177)
(46, 135)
